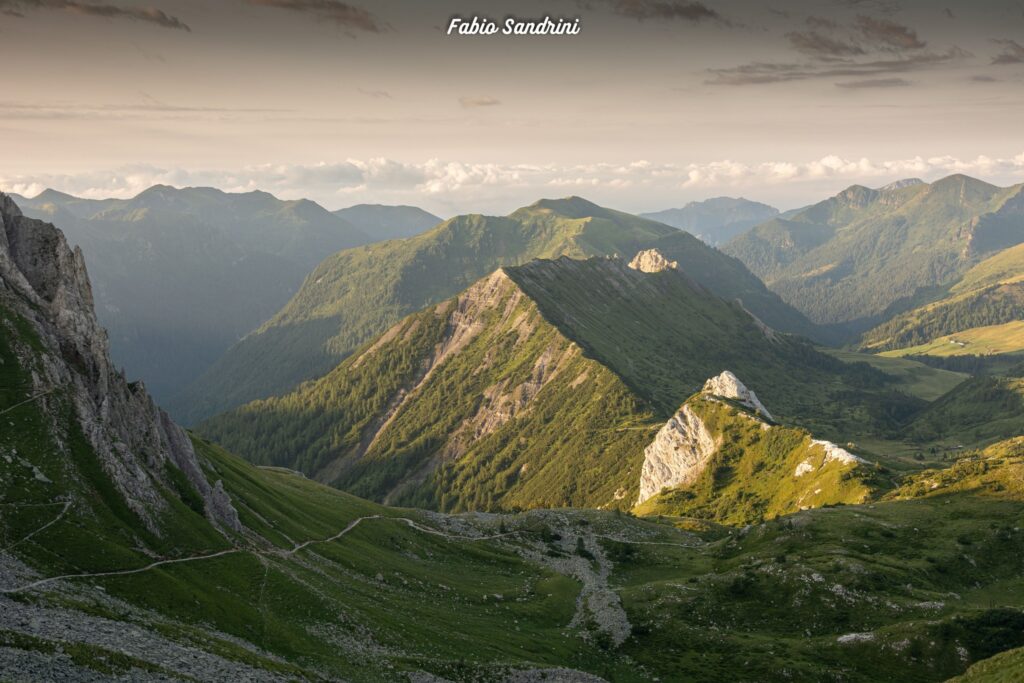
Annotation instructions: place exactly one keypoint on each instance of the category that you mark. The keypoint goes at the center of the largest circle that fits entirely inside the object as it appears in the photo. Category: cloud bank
(463, 187)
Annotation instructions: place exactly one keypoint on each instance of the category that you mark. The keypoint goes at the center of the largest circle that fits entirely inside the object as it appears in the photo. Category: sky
(653, 104)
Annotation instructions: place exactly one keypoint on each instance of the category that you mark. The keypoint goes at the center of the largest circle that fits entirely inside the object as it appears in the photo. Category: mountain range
(131, 549)
(864, 255)
(356, 294)
(538, 387)
(716, 220)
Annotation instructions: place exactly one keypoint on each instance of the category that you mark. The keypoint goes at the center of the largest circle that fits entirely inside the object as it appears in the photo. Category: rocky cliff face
(44, 282)
(677, 455)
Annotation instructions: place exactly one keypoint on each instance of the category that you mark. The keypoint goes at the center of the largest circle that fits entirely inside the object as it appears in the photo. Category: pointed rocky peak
(652, 261)
(727, 385)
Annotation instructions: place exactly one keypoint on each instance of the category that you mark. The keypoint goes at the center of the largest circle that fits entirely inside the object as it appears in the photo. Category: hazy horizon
(445, 216)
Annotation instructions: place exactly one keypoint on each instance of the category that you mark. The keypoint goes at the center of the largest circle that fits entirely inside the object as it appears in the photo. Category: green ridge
(358, 293)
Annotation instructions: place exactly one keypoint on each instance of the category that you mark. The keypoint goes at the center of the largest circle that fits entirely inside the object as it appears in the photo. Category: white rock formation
(727, 385)
(803, 468)
(651, 261)
(677, 455)
(834, 452)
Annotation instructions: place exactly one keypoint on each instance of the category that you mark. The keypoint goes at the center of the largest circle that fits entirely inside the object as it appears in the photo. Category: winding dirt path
(231, 551)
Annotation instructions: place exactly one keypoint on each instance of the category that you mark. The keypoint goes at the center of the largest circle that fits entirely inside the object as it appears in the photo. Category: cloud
(984, 79)
(756, 73)
(726, 173)
(1013, 52)
(341, 13)
(875, 83)
(150, 15)
(818, 45)
(480, 101)
(686, 10)
(889, 35)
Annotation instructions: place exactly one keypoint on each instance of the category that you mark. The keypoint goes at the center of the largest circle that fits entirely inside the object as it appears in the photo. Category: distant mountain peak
(51, 195)
(652, 261)
(570, 207)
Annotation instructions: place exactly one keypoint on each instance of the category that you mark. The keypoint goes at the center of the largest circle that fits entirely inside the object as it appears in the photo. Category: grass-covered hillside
(357, 294)
(760, 471)
(864, 254)
(980, 315)
(313, 584)
(320, 585)
(539, 387)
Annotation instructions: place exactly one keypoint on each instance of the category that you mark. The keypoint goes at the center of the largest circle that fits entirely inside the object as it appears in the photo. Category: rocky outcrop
(678, 454)
(727, 385)
(652, 261)
(681, 449)
(45, 283)
(837, 453)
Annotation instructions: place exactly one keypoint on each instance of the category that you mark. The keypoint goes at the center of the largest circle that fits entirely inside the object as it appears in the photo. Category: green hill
(537, 387)
(858, 257)
(356, 294)
(978, 315)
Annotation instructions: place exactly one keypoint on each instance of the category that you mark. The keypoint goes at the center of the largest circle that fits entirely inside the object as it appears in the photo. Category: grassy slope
(989, 294)
(358, 293)
(584, 414)
(354, 608)
(988, 340)
(932, 580)
(916, 579)
(853, 257)
(981, 409)
(913, 378)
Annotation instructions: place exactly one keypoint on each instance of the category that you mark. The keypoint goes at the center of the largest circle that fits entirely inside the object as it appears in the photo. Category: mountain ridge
(863, 255)
(356, 294)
